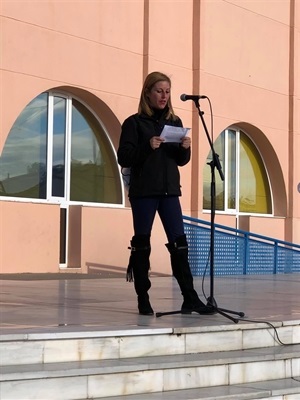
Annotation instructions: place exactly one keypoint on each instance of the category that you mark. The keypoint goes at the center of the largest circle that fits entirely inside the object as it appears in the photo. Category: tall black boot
(138, 271)
(181, 271)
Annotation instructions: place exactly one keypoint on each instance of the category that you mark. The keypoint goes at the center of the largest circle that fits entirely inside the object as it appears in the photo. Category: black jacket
(153, 172)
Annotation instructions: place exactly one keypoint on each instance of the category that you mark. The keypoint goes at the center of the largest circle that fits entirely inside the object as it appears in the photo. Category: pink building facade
(72, 71)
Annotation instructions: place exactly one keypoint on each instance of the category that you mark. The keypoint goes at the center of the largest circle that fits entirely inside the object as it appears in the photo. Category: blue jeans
(169, 211)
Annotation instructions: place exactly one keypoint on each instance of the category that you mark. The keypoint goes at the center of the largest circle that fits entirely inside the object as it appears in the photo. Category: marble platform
(72, 302)
(84, 334)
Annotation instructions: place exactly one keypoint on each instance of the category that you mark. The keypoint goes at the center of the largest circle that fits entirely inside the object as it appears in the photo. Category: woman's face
(159, 95)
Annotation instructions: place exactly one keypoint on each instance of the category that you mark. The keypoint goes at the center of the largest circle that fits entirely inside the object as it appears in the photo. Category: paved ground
(47, 303)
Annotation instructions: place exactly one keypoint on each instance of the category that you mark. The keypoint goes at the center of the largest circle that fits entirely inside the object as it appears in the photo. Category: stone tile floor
(73, 302)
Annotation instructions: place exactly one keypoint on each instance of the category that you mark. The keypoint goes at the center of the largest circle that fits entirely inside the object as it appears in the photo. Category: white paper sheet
(173, 133)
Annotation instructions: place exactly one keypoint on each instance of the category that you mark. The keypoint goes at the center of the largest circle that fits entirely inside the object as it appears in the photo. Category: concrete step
(145, 375)
(216, 361)
(67, 346)
(281, 389)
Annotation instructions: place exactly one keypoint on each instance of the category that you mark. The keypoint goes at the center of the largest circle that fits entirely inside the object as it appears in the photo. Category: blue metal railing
(238, 252)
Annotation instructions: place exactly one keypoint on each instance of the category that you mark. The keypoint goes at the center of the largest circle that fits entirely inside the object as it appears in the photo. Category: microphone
(194, 97)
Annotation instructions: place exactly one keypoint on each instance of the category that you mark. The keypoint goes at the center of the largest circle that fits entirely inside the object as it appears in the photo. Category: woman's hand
(155, 142)
(186, 142)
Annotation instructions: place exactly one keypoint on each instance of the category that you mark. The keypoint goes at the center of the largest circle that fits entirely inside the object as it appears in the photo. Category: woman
(155, 187)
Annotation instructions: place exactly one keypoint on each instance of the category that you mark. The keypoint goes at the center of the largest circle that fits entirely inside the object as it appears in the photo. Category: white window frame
(236, 211)
(66, 200)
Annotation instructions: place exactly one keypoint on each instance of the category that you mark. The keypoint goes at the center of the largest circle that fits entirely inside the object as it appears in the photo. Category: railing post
(247, 255)
(275, 267)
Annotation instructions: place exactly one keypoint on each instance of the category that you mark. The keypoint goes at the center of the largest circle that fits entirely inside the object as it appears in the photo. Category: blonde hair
(150, 81)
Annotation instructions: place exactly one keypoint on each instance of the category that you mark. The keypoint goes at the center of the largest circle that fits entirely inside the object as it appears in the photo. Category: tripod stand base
(211, 302)
(160, 314)
(208, 311)
(213, 309)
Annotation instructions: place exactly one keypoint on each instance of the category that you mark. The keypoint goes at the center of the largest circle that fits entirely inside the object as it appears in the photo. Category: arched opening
(58, 148)
(250, 186)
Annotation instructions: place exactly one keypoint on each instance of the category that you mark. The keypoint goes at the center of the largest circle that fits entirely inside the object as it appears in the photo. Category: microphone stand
(215, 163)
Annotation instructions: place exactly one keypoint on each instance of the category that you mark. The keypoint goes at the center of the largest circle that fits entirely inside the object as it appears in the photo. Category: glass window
(59, 146)
(232, 166)
(24, 157)
(219, 147)
(254, 196)
(93, 165)
(245, 176)
(60, 135)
